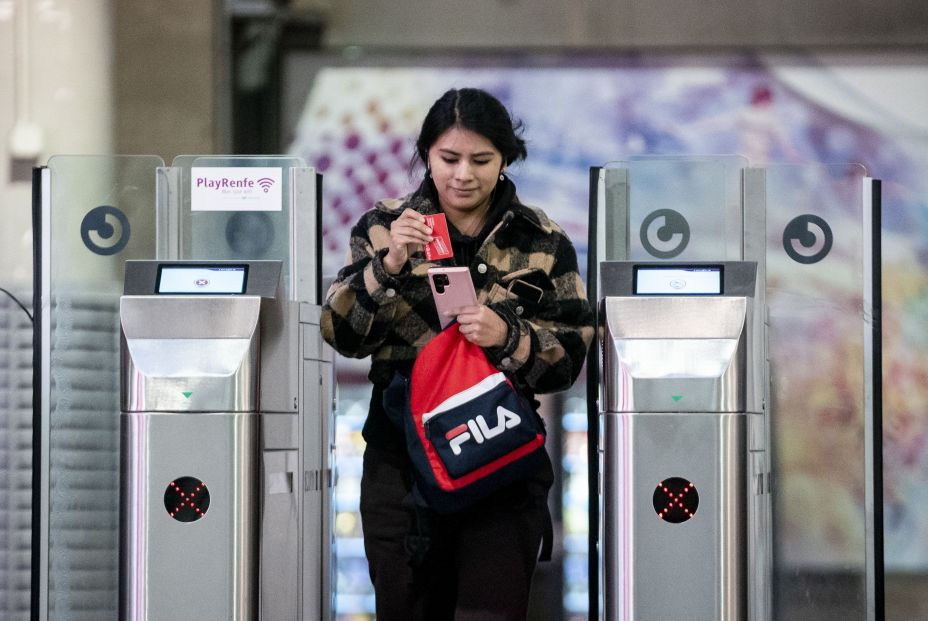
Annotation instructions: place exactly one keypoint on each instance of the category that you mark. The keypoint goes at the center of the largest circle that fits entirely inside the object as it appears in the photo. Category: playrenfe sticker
(236, 189)
(440, 246)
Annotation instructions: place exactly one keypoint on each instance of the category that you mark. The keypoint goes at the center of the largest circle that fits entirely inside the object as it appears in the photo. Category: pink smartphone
(452, 290)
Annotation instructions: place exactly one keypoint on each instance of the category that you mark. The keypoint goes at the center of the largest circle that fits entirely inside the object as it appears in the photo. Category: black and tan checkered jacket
(369, 312)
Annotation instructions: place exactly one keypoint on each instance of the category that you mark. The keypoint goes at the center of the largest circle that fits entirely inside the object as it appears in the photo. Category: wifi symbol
(266, 183)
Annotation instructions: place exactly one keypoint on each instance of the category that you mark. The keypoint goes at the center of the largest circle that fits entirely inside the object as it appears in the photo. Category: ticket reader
(681, 378)
(225, 397)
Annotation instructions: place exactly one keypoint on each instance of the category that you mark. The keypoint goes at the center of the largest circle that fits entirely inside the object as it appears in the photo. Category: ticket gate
(683, 434)
(226, 402)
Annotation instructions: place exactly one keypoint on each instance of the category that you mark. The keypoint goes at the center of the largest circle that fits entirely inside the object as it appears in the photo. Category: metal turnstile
(682, 415)
(226, 393)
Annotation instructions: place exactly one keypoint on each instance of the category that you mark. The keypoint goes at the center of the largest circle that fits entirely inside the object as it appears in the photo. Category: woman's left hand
(481, 326)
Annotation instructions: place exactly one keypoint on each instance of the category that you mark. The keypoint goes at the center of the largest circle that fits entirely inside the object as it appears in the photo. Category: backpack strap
(547, 534)
(419, 538)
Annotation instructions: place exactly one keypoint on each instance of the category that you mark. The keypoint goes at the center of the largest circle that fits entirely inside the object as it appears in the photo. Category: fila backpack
(468, 431)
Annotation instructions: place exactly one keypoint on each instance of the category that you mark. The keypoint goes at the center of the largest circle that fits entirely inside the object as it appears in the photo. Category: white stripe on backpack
(483, 386)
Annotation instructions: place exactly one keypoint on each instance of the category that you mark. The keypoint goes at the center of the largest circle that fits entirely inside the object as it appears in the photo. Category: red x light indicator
(186, 499)
(675, 500)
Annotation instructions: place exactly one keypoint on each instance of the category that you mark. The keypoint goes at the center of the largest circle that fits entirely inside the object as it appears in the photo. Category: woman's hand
(406, 232)
(482, 326)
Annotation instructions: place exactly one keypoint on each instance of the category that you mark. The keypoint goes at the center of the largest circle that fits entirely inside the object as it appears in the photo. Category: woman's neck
(469, 222)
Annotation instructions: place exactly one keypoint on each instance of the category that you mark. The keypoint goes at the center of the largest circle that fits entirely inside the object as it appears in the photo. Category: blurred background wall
(56, 96)
(845, 79)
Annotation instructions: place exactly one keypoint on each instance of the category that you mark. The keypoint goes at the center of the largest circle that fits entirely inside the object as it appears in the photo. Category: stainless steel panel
(327, 418)
(280, 431)
(757, 432)
(674, 354)
(168, 192)
(760, 524)
(280, 356)
(280, 536)
(313, 492)
(312, 345)
(613, 233)
(318, 403)
(314, 348)
(310, 313)
(205, 569)
(189, 375)
(305, 272)
(759, 527)
(668, 317)
(654, 569)
(755, 244)
(189, 317)
(178, 356)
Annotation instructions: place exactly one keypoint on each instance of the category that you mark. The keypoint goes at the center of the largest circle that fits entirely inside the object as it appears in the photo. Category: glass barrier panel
(681, 208)
(235, 208)
(818, 379)
(102, 212)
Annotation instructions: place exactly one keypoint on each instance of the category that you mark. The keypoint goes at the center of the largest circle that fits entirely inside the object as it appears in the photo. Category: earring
(502, 177)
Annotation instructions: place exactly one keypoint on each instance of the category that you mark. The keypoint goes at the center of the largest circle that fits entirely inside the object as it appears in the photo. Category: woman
(533, 321)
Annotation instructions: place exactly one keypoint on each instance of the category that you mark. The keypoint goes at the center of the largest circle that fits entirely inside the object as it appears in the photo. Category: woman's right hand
(406, 232)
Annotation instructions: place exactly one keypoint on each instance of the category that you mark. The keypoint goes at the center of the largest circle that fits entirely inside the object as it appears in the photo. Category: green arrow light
(187, 394)
(676, 397)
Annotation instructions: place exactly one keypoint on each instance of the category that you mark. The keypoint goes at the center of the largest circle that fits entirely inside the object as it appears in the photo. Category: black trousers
(477, 564)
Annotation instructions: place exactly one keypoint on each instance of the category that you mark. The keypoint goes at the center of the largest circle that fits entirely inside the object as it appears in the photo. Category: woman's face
(465, 168)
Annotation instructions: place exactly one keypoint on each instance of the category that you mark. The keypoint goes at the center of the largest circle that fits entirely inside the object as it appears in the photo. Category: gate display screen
(678, 280)
(201, 279)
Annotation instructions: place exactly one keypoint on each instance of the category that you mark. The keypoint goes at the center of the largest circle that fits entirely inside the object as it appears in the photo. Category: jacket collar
(532, 216)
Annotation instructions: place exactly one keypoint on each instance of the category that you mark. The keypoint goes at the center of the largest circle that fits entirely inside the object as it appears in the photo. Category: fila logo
(478, 429)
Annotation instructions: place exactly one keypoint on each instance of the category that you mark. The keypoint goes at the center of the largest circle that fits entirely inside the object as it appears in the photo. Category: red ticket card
(440, 246)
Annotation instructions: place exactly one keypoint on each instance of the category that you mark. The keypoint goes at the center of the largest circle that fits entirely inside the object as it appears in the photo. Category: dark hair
(475, 110)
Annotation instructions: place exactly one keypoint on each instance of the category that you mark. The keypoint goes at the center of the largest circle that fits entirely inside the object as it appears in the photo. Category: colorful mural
(358, 127)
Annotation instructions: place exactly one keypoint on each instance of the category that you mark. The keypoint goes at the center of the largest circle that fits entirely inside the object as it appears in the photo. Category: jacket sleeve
(547, 346)
(361, 304)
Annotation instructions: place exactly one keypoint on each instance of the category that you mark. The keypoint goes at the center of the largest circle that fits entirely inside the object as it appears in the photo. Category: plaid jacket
(369, 312)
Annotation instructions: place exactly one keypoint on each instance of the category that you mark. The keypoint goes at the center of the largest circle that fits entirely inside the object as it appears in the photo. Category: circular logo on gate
(201, 282)
(186, 499)
(665, 233)
(807, 239)
(105, 230)
(675, 500)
